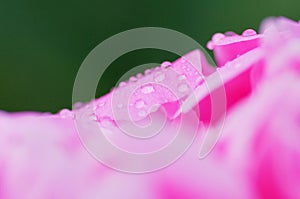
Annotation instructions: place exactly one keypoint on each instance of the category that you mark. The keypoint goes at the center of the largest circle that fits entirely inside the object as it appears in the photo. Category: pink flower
(256, 156)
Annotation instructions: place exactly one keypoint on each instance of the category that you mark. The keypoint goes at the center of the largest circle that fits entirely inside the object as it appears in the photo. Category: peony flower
(241, 117)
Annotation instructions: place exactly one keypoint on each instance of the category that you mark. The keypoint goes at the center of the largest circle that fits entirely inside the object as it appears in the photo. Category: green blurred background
(43, 43)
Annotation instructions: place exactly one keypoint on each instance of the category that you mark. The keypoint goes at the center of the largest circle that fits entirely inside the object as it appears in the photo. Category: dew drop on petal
(142, 113)
(147, 89)
(217, 37)
(66, 113)
(139, 104)
(122, 84)
(106, 122)
(139, 75)
(165, 64)
(147, 72)
(183, 88)
(101, 104)
(199, 80)
(181, 77)
(159, 76)
(133, 79)
(93, 117)
(78, 105)
(249, 32)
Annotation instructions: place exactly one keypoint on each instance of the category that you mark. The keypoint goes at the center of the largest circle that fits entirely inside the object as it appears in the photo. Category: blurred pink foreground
(257, 155)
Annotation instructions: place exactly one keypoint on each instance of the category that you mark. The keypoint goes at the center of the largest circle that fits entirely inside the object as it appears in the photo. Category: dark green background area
(42, 43)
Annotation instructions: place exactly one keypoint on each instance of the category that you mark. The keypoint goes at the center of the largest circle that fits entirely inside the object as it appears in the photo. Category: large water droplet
(249, 32)
(147, 89)
(217, 37)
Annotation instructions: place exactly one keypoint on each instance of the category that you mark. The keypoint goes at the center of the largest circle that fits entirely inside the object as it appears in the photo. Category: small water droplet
(217, 37)
(78, 105)
(139, 104)
(154, 108)
(165, 64)
(249, 32)
(142, 113)
(139, 75)
(122, 84)
(101, 104)
(93, 117)
(159, 76)
(147, 71)
(133, 79)
(181, 77)
(147, 89)
(106, 122)
(230, 34)
(66, 113)
(210, 45)
(182, 88)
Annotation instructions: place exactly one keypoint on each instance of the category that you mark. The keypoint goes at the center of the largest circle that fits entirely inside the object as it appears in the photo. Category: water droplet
(165, 64)
(147, 89)
(142, 113)
(182, 88)
(93, 117)
(249, 32)
(66, 113)
(101, 104)
(159, 76)
(139, 75)
(139, 104)
(210, 45)
(181, 77)
(106, 122)
(78, 105)
(133, 79)
(122, 84)
(154, 108)
(230, 34)
(217, 37)
(147, 71)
